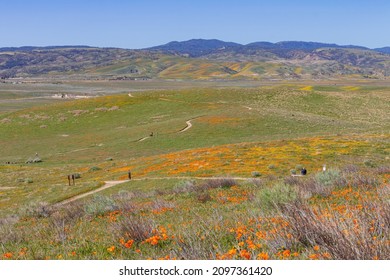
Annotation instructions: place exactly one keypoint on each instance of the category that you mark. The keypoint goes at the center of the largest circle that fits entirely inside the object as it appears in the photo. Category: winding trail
(189, 125)
(110, 184)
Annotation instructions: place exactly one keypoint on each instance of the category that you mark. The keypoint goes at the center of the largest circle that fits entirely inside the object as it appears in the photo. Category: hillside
(199, 59)
(213, 181)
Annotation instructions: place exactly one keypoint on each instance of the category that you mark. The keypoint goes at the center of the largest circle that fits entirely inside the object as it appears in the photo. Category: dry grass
(356, 234)
(133, 227)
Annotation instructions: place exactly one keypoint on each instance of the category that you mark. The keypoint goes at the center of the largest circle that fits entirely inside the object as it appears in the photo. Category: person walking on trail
(303, 171)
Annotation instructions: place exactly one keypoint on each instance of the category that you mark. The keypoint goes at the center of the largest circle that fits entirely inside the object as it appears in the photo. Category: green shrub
(369, 163)
(328, 178)
(270, 198)
(94, 168)
(293, 171)
(298, 167)
(100, 205)
(256, 174)
(271, 166)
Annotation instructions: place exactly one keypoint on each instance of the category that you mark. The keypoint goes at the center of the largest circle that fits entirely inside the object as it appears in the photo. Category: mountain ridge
(207, 45)
(200, 59)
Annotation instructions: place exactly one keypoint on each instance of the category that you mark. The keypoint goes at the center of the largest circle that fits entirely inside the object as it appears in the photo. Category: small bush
(271, 198)
(185, 187)
(257, 182)
(29, 181)
(134, 227)
(271, 166)
(363, 181)
(328, 178)
(338, 234)
(219, 183)
(100, 205)
(94, 168)
(322, 184)
(204, 197)
(161, 205)
(298, 167)
(124, 201)
(38, 210)
(72, 211)
(382, 170)
(348, 169)
(293, 171)
(8, 231)
(292, 181)
(369, 163)
(77, 175)
(256, 174)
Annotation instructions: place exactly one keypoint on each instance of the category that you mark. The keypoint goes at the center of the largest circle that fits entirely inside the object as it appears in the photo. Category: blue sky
(144, 23)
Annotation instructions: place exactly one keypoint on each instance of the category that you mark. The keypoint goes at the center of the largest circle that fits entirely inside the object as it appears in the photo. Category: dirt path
(189, 125)
(142, 139)
(7, 188)
(110, 184)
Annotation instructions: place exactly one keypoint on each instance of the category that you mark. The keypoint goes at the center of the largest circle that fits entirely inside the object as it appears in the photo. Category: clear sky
(145, 23)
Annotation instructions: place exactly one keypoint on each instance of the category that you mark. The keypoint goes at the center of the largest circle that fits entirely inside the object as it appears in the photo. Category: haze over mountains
(201, 59)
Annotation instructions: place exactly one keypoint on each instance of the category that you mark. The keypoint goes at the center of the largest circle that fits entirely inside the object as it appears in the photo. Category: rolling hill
(200, 59)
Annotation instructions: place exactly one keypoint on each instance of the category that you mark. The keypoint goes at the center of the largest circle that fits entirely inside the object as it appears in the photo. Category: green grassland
(235, 131)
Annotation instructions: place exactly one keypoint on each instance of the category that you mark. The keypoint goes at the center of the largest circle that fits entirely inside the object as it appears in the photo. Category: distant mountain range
(199, 47)
(200, 59)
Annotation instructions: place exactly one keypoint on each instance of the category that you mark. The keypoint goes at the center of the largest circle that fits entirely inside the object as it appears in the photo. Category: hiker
(151, 134)
(303, 171)
(129, 174)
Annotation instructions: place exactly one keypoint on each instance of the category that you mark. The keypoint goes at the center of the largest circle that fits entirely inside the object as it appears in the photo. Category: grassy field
(249, 138)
